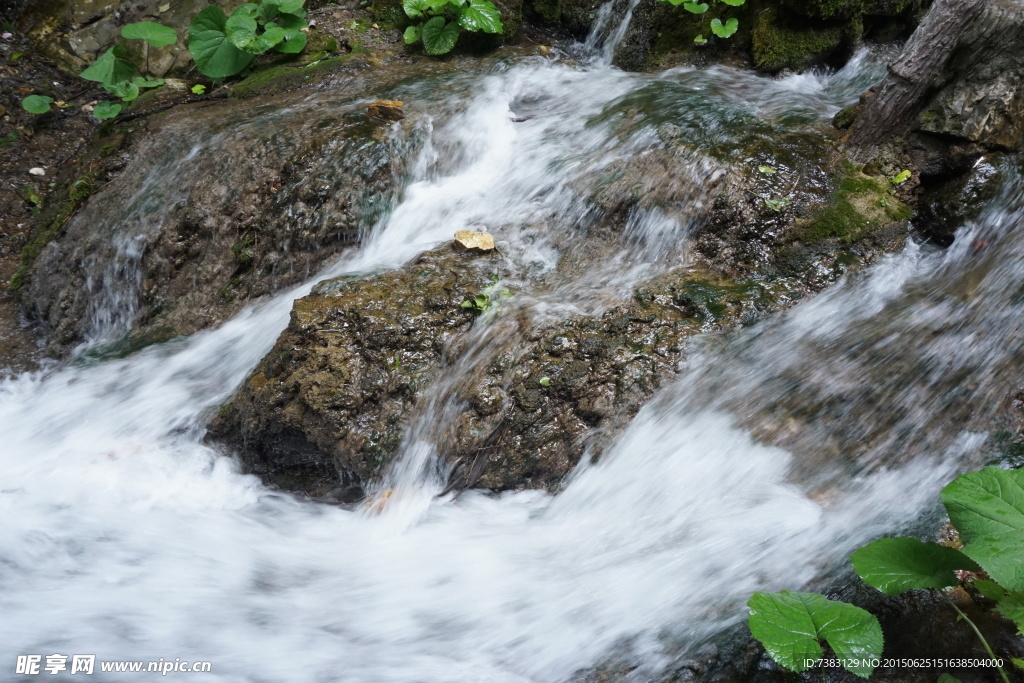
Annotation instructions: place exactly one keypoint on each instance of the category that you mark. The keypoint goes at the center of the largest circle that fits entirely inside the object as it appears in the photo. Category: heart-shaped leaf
(439, 37)
(294, 35)
(481, 15)
(896, 565)
(987, 508)
(696, 8)
(724, 30)
(106, 110)
(153, 33)
(110, 68)
(411, 35)
(209, 46)
(37, 104)
(415, 9)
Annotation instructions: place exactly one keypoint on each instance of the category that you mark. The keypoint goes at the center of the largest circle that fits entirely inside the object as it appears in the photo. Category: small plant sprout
(767, 170)
(198, 89)
(486, 301)
(545, 381)
(777, 204)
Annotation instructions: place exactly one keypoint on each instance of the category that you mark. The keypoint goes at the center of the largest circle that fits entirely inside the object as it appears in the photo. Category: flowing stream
(126, 537)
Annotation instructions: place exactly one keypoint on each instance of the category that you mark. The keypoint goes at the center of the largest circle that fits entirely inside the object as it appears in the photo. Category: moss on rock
(779, 43)
(859, 205)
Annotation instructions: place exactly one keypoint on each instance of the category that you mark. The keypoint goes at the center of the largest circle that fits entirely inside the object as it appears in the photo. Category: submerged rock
(386, 110)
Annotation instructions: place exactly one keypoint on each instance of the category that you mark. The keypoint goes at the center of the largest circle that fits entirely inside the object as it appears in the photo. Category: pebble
(36, 171)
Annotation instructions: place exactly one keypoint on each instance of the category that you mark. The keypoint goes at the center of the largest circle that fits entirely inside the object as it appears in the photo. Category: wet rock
(946, 206)
(386, 110)
(330, 403)
(258, 209)
(472, 242)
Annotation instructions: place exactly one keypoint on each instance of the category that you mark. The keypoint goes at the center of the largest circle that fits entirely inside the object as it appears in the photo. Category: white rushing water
(126, 537)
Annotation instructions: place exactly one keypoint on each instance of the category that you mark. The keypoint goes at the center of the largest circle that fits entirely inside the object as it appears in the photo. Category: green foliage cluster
(224, 45)
(718, 27)
(486, 302)
(986, 507)
(441, 22)
(221, 46)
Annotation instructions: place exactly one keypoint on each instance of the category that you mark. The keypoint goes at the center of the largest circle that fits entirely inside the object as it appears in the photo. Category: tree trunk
(914, 73)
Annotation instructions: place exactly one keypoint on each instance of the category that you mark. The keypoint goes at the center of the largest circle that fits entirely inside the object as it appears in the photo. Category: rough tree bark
(914, 73)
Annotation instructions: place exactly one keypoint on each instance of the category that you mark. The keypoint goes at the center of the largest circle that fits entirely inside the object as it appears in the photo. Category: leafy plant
(778, 203)
(155, 34)
(792, 626)
(224, 45)
(116, 75)
(441, 22)
(198, 89)
(718, 27)
(986, 507)
(37, 104)
(106, 110)
(486, 301)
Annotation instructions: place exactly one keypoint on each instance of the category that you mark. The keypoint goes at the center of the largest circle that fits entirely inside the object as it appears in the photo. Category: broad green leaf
(439, 37)
(724, 30)
(734, 3)
(213, 53)
(143, 82)
(415, 9)
(244, 32)
(106, 110)
(481, 15)
(791, 627)
(896, 565)
(1011, 606)
(437, 5)
(127, 91)
(987, 508)
(286, 6)
(990, 589)
(411, 35)
(696, 8)
(37, 104)
(294, 36)
(109, 68)
(153, 33)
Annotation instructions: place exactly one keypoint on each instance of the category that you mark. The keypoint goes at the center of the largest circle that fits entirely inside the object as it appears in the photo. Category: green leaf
(243, 31)
(153, 33)
(439, 37)
(700, 39)
(294, 37)
(901, 177)
(481, 15)
(411, 35)
(213, 53)
(696, 8)
(110, 68)
(724, 30)
(148, 82)
(545, 381)
(415, 9)
(777, 204)
(990, 589)
(37, 104)
(766, 169)
(791, 627)
(198, 89)
(1011, 606)
(437, 5)
(126, 91)
(896, 565)
(106, 110)
(286, 6)
(734, 3)
(987, 508)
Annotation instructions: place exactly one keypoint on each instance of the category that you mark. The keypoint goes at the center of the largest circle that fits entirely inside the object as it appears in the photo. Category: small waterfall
(118, 512)
(604, 38)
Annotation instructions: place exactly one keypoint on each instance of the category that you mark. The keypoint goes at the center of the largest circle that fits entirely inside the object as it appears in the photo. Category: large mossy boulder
(513, 399)
(211, 207)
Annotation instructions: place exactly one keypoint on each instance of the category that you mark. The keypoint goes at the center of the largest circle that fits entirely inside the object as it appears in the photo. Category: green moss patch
(779, 44)
(859, 205)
